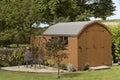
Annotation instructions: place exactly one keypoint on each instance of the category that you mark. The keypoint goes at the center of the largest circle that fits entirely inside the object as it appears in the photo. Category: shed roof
(66, 29)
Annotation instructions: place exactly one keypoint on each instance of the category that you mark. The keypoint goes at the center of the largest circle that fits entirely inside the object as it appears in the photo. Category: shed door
(95, 47)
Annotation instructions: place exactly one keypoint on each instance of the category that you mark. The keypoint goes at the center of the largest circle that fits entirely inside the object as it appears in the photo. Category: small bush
(85, 67)
(63, 66)
(70, 68)
(49, 63)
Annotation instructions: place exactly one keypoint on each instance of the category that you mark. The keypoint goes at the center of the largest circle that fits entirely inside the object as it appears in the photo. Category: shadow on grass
(71, 75)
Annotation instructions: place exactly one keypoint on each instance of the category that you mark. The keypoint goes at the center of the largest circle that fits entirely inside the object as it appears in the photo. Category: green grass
(108, 74)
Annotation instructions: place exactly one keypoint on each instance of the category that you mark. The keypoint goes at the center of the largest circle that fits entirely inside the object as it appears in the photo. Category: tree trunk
(58, 75)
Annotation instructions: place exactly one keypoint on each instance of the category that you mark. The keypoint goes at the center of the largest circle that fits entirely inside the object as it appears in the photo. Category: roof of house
(66, 29)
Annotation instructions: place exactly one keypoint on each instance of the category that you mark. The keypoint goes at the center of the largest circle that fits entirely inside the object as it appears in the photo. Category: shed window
(66, 41)
(63, 39)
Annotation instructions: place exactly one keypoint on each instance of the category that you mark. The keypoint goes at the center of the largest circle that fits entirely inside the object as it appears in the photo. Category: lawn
(108, 74)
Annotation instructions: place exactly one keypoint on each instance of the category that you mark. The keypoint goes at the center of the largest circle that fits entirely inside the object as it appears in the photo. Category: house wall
(94, 46)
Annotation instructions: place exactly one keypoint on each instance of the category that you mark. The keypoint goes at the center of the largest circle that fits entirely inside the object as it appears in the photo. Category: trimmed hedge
(115, 42)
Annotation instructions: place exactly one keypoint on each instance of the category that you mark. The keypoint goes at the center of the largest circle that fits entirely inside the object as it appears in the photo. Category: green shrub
(10, 57)
(14, 63)
(4, 64)
(6, 37)
(17, 57)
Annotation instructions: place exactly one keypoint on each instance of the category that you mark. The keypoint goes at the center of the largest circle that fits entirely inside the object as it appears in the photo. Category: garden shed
(87, 42)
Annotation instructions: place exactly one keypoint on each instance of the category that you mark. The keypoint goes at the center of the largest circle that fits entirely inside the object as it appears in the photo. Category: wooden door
(95, 46)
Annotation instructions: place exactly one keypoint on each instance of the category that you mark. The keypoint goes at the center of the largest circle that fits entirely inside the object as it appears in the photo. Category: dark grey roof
(68, 28)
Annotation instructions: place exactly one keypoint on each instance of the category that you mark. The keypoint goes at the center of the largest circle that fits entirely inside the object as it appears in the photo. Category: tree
(6, 37)
(20, 38)
(19, 15)
(75, 10)
(55, 50)
(103, 9)
(22, 14)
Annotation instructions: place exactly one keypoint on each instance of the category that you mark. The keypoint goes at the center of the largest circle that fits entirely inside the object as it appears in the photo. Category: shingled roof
(66, 29)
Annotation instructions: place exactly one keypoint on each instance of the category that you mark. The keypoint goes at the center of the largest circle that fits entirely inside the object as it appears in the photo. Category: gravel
(38, 69)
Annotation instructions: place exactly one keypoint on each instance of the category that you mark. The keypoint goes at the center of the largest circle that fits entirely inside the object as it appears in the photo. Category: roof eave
(74, 35)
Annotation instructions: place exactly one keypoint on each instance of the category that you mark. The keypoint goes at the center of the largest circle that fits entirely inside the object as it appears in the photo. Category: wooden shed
(87, 42)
